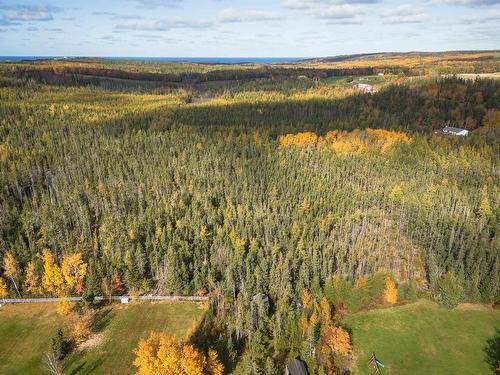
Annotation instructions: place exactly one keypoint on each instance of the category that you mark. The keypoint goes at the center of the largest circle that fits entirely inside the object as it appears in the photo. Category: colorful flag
(372, 361)
(379, 363)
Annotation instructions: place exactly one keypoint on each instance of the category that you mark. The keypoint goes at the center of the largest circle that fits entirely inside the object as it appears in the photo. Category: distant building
(363, 79)
(380, 74)
(366, 88)
(455, 131)
(296, 367)
(125, 300)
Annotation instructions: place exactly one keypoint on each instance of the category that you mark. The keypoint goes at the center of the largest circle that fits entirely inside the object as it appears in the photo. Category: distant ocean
(202, 60)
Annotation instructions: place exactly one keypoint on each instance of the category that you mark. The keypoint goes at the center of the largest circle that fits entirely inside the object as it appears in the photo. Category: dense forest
(289, 208)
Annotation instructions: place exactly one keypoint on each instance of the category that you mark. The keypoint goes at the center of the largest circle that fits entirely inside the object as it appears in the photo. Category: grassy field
(25, 332)
(424, 338)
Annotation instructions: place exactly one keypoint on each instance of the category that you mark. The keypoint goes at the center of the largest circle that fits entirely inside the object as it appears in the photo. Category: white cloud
(231, 15)
(29, 13)
(165, 25)
(338, 12)
(308, 4)
(490, 17)
(152, 4)
(471, 2)
(404, 14)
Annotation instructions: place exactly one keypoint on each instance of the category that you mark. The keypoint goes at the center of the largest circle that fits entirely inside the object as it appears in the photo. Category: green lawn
(424, 338)
(25, 332)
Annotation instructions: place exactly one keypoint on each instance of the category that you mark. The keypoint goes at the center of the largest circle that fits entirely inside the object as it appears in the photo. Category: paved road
(100, 298)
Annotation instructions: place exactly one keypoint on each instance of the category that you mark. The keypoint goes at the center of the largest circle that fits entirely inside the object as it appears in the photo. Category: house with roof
(296, 367)
(455, 131)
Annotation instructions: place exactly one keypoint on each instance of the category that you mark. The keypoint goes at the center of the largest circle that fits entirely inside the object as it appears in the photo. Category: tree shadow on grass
(83, 366)
(492, 351)
(102, 318)
(211, 333)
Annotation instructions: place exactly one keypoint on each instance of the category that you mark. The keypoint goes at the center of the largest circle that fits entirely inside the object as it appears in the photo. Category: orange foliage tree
(338, 340)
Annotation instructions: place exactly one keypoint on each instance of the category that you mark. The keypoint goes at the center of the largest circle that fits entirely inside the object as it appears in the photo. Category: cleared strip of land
(101, 298)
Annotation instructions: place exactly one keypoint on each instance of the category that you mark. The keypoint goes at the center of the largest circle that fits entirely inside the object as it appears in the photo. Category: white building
(125, 300)
(455, 131)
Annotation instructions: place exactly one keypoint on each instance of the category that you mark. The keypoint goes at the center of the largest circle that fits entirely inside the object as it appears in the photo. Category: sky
(258, 28)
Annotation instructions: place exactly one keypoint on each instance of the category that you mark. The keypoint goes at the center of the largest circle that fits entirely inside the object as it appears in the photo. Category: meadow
(424, 338)
(26, 331)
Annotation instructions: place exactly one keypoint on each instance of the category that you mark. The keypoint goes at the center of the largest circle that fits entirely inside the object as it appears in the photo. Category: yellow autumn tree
(53, 279)
(11, 269)
(386, 139)
(31, 281)
(79, 327)
(484, 206)
(390, 292)
(64, 307)
(74, 270)
(302, 140)
(357, 141)
(65, 279)
(4, 292)
(326, 311)
(306, 298)
(162, 355)
(166, 360)
(191, 361)
(214, 366)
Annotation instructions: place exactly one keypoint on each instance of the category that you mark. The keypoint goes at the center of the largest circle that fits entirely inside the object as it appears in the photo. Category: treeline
(159, 197)
(67, 75)
(419, 106)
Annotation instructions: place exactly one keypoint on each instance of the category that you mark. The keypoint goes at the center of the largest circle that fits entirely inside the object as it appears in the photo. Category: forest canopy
(321, 198)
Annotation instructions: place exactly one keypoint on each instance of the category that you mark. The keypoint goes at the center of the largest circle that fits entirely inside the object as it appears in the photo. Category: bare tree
(52, 363)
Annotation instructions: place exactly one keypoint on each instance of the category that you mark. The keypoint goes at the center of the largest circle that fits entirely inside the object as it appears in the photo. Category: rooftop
(296, 367)
(453, 130)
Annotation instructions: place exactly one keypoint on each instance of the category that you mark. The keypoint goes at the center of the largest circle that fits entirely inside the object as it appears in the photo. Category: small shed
(455, 131)
(125, 300)
(296, 367)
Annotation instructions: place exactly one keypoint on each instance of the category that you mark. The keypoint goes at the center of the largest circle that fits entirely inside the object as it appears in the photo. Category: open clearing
(26, 330)
(424, 338)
